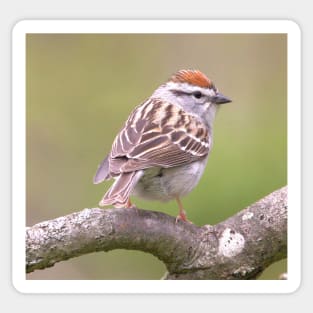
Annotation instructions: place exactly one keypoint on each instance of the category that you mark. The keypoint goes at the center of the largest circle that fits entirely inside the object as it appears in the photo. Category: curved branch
(240, 247)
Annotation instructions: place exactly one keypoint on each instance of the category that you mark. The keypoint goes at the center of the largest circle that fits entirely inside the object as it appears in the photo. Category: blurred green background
(82, 87)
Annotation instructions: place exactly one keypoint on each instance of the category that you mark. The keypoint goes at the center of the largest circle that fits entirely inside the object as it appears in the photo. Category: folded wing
(161, 134)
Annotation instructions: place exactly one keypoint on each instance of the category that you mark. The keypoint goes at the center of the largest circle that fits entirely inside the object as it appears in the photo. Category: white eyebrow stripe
(187, 88)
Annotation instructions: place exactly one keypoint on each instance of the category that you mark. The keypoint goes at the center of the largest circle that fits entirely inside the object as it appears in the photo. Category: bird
(162, 150)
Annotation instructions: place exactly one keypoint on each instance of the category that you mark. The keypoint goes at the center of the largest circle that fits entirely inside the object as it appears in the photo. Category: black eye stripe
(197, 94)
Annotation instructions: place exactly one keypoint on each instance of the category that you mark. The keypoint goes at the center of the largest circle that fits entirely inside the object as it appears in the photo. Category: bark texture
(240, 247)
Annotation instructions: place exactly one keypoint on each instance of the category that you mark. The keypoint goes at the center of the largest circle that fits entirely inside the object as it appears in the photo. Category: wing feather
(155, 134)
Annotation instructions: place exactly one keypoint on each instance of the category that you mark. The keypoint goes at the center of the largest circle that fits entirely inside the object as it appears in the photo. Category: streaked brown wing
(158, 134)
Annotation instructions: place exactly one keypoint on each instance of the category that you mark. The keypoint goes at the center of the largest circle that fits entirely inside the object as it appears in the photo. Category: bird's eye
(197, 94)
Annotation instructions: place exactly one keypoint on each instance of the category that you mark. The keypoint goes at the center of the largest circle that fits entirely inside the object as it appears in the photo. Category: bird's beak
(220, 99)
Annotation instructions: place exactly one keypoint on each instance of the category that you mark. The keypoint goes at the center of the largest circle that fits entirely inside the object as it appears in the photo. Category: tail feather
(119, 193)
(103, 171)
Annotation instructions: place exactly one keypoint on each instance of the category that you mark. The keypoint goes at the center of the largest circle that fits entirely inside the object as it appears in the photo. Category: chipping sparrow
(162, 150)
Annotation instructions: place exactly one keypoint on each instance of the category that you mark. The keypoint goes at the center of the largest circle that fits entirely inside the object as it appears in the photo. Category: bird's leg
(129, 204)
(182, 213)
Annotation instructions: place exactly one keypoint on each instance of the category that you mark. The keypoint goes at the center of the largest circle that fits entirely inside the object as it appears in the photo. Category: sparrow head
(194, 92)
(197, 85)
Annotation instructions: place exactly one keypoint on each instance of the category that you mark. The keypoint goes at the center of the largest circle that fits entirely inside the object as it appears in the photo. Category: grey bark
(240, 247)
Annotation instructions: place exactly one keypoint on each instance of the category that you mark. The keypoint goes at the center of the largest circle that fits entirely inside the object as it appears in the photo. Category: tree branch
(240, 247)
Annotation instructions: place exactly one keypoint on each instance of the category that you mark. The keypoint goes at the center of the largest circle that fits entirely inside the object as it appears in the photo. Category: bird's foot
(182, 217)
(182, 213)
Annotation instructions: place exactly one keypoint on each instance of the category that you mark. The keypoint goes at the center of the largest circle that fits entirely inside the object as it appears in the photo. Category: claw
(182, 213)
